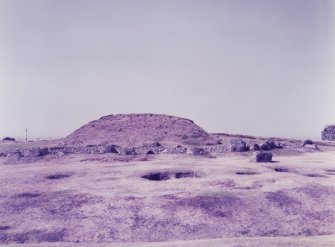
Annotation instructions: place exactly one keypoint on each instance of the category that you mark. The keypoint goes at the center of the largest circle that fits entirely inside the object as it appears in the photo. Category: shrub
(9, 139)
(328, 133)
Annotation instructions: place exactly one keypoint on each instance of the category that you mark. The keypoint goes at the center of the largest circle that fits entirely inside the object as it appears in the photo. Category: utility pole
(26, 134)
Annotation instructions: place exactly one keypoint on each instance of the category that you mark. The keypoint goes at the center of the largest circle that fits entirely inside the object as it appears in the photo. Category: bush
(328, 133)
(9, 139)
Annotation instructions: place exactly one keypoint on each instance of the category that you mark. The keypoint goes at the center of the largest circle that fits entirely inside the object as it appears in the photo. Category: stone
(237, 145)
(199, 151)
(155, 144)
(270, 144)
(178, 150)
(310, 142)
(256, 147)
(150, 152)
(307, 142)
(129, 151)
(43, 151)
(111, 149)
(261, 156)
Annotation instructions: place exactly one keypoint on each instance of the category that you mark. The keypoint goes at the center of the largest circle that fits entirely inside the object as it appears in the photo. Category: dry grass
(66, 200)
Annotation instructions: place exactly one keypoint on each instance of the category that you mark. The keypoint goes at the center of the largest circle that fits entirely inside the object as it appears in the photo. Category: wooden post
(26, 134)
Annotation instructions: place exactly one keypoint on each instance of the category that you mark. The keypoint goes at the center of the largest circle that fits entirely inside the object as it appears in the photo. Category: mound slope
(139, 129)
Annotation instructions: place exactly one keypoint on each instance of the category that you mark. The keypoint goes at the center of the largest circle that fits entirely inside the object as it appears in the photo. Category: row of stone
(238, 145)
(101, 149)
(235, 145)
(17, 154)
(90, 149)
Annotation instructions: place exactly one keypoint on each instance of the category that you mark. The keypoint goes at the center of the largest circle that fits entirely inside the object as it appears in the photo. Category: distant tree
(9, 139)
(328, 133)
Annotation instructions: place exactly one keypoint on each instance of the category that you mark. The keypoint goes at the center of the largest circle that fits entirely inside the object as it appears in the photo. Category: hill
(139, 129)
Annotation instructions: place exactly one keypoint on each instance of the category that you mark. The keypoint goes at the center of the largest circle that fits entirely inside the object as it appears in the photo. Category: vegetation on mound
(134, 130)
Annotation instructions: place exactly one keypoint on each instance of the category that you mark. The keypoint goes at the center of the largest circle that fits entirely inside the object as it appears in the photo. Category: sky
(257, 67)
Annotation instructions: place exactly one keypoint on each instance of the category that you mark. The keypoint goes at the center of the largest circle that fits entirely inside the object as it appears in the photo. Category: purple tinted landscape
(157, 178)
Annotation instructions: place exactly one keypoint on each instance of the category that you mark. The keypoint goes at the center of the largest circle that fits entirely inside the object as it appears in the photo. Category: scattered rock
(270, 144)
(237, 145)
(256, 147)
(309, 142)
(260, 156)
(110, 149)
(216, 149)
(177, 150)
(155, 145)
(199, 151)
(141, 134)
(129, 151)
(218, 142)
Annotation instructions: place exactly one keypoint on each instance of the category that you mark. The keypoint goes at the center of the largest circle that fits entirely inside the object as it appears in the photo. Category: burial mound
(134, 130)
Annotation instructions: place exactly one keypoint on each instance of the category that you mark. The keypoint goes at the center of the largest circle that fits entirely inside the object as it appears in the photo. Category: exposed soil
(58, 176)
(282, 169)
(159, 176)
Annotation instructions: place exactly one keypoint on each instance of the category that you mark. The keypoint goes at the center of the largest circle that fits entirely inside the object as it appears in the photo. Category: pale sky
(258, 67)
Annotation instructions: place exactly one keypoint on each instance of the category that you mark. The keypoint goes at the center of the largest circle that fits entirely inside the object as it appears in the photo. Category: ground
(170, 200)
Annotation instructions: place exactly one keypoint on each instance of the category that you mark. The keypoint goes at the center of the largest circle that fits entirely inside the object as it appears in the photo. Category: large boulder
(270, 144)
(261, 156)
(237, 145)
(254, 147)
(150, 152)
(308, 142)
(328, 133)
(128, 151)
(108, 149)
